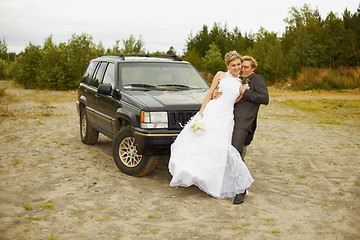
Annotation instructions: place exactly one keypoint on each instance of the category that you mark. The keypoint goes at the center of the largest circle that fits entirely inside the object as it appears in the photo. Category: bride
(202, 154)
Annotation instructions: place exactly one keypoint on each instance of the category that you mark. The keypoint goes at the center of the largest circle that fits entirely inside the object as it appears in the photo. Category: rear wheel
(126, 157)
(87, 133)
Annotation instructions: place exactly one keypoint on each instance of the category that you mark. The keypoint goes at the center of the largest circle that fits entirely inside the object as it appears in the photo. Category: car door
(88, 90)
(97, 110)
(107, 104)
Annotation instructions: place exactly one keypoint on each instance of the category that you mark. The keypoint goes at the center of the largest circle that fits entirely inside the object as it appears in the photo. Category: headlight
(154, 119)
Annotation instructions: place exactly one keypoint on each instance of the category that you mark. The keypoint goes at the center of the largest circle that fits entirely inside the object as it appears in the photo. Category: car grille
(177, 120)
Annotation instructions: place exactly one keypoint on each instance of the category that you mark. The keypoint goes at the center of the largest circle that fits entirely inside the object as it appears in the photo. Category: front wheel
(126, 157)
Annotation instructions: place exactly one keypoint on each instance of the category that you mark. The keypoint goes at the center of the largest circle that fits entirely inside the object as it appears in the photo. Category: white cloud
(161, 23)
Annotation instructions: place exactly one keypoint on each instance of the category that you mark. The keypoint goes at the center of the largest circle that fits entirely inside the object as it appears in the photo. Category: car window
(109, 75)
(89, 73)
(165, 75)
(99, 74)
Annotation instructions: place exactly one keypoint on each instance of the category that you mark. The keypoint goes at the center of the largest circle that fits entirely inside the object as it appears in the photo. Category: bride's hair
(231, 56)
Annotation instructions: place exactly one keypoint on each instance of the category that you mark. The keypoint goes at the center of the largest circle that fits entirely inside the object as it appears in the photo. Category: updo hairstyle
(231, 56)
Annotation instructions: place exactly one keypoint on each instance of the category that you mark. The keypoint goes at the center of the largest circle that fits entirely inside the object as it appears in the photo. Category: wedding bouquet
(197, 126)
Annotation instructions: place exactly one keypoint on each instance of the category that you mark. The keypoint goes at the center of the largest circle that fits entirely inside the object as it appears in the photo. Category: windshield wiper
(173, 85)
(139, 85)
(142, 85)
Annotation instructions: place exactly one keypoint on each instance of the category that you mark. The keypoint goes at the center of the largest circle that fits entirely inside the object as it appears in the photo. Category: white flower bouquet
(197, 126)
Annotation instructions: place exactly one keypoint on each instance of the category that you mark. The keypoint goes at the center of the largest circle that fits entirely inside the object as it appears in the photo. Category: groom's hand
(216, 93)
(243, 87)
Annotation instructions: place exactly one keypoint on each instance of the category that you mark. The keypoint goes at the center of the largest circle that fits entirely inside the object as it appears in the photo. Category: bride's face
(234, 67)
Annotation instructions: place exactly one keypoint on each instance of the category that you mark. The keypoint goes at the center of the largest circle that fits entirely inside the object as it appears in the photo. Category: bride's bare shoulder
(220, 75)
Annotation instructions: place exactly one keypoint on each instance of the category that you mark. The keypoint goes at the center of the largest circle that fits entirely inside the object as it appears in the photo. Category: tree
(116, 48)
(268, 53)
(213, 60)
(352, 36)
(194, 58)
(27, 65)
(334, 31)
(3, 59)
(240, 43)
(303, 38)
(3, 50)
(171, 51)
(79, 51)
(131, 45)
(200, 42)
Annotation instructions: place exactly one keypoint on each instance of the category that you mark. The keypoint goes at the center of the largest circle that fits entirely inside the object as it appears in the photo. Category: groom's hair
(251, 59)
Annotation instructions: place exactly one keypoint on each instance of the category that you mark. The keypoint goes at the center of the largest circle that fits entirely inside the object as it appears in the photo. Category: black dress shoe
(239, 198)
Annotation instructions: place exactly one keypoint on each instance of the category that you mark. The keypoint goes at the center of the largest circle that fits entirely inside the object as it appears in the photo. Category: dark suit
(246, 110)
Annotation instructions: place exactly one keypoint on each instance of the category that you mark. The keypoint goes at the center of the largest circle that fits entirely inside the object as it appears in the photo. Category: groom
(254, 92)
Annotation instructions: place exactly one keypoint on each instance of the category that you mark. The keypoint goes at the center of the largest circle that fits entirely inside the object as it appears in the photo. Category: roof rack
(176, 58)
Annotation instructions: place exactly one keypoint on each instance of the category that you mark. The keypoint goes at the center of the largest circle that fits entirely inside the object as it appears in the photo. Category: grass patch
(269, 220)
(27, 206)
(48, 205)
(2, 92)
(155, 231)
(53, 237)
(33, 218)
(314, 105)
(324, 111)
(38, 102)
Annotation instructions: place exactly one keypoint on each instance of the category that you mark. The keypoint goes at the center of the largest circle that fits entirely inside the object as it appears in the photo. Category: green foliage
(268, 53)
(57, 67)
(194, 58)
(3, 69)
(308, 44)
(303, 38)
(224, 39)
(213, 60)
(3, 49)
(171, 51)
(131, 46)
(27, 65)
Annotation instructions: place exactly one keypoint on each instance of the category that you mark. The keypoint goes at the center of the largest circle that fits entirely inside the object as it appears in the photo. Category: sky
(160, 23)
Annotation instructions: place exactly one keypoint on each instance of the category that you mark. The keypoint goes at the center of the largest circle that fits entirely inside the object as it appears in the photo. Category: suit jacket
(246, 110)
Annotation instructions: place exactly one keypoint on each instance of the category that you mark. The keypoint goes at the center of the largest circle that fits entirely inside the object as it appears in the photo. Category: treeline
(308, 42)
(57, 67)
(311, 53)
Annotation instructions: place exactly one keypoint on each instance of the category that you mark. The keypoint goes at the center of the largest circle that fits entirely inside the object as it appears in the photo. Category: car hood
(168, 100)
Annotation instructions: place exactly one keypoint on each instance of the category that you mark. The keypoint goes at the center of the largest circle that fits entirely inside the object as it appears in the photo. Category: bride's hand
(201, 114)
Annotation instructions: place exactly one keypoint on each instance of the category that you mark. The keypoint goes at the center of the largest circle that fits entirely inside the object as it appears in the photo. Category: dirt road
(307, 178)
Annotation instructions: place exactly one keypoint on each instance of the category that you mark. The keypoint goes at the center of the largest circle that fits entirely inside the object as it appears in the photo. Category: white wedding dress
(208, 160)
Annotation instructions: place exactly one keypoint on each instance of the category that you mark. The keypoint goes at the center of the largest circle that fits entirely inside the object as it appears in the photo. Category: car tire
(87, 133)
(126, 157)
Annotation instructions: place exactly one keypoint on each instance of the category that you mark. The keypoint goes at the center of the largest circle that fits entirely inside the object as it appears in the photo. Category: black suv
(140, 101)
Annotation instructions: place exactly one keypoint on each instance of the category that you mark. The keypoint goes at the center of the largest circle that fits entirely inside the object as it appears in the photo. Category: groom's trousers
(241, 137)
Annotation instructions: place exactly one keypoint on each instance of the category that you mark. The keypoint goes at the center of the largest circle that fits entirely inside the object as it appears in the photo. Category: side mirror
(104, 89)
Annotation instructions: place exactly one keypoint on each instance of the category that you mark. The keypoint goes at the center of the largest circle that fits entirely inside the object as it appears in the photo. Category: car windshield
(160, 76)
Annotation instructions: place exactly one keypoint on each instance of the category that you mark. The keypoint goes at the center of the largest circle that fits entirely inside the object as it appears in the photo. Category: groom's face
(246, 69)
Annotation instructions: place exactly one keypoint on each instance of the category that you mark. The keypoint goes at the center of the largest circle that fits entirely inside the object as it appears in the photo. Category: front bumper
(154, 141)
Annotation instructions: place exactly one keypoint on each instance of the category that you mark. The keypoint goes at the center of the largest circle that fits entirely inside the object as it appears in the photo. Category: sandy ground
(52, 186)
